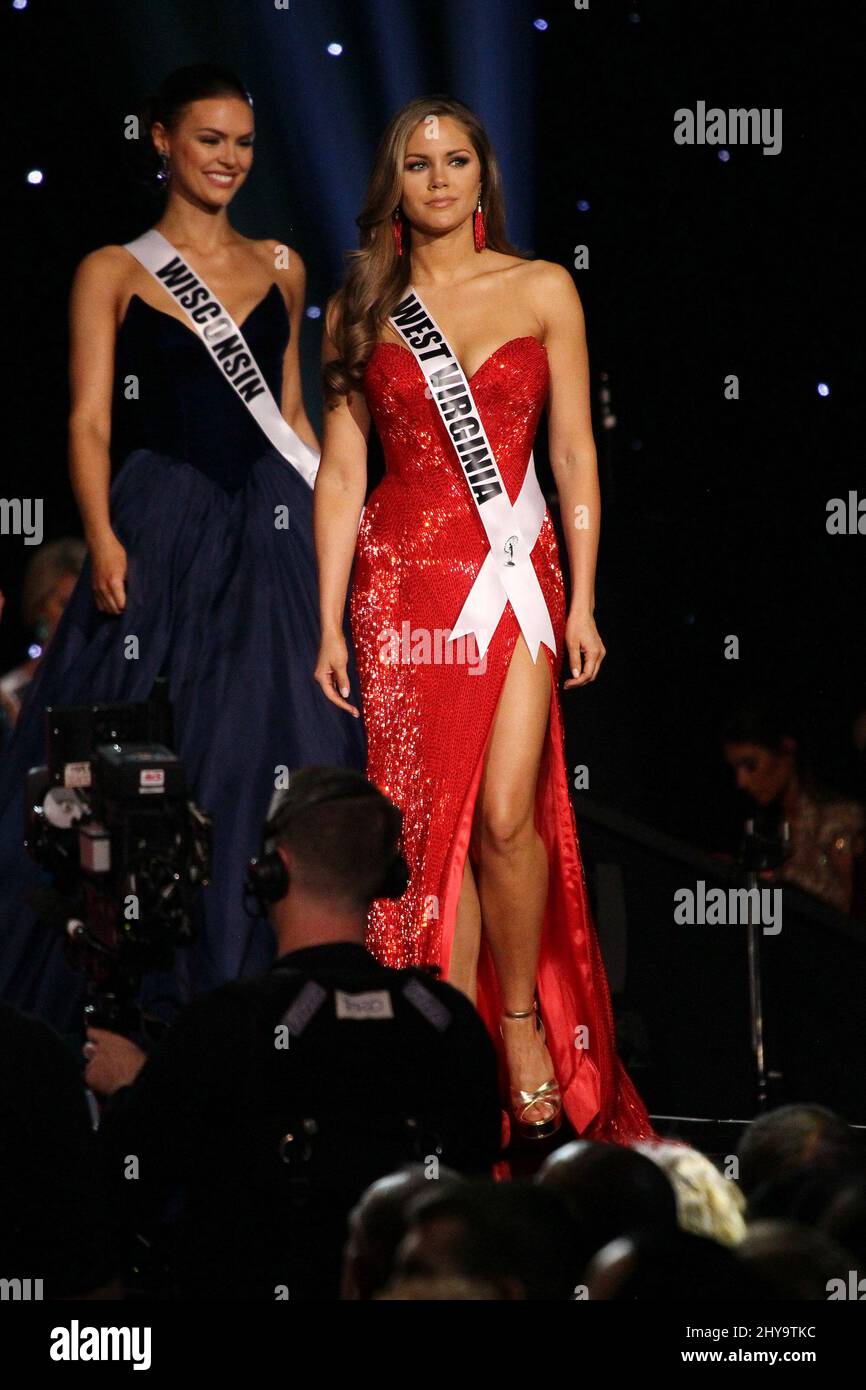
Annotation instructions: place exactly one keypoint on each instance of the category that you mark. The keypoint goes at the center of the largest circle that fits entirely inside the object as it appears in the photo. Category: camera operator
(241, 1144)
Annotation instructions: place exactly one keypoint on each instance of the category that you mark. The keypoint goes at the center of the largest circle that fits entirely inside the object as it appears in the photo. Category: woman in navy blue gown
(200, 548)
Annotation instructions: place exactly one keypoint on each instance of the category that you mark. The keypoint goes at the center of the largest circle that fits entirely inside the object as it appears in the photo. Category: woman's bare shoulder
(103, 272)
(281, 257)
(549, 276)
(285, 265)
(551, 291)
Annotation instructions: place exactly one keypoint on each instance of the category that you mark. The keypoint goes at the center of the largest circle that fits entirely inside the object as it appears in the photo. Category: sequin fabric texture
(429, 706)
(820, 824)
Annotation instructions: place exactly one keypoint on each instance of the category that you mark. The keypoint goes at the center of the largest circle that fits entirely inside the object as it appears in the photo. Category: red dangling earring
(397, 229)
(479, 235)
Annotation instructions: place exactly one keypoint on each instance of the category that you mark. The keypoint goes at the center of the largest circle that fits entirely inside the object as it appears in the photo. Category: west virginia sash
(226, 344)
(507, 572)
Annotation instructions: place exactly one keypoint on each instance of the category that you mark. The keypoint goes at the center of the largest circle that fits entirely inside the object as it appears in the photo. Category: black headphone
(267, 877)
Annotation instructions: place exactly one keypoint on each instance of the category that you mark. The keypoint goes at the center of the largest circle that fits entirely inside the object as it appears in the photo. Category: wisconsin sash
(226, 344)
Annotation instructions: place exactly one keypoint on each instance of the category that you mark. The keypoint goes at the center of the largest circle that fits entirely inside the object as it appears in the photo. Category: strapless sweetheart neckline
(245, 320)
(521, 338)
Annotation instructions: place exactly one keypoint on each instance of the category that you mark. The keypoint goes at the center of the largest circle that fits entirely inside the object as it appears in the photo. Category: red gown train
(420, 545)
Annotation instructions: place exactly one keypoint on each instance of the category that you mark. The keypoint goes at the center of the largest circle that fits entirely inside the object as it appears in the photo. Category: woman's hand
(331, 671)
(108, 562)
(585, 648)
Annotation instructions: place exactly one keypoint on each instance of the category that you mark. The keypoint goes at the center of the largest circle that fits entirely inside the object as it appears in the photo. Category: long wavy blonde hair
(376, 277)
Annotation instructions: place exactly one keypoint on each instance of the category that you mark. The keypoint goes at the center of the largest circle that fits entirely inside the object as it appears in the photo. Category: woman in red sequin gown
(470, 748)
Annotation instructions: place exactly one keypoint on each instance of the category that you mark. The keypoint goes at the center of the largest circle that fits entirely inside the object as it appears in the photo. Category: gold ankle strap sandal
(547, 1096)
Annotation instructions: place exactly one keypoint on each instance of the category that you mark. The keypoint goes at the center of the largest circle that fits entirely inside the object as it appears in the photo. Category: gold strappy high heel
(547, 1095)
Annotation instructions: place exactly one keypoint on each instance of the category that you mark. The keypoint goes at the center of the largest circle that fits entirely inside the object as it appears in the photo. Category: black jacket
(271, 1105)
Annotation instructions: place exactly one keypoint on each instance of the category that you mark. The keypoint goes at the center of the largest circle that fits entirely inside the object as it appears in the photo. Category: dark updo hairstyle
(768, 721)
(196, 82)
(760, 721)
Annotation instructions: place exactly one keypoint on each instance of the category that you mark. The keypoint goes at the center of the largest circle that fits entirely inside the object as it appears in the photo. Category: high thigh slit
(429, 721)
(472, 855)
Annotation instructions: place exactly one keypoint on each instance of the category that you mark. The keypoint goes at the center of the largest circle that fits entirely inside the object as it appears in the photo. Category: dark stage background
(714, 520)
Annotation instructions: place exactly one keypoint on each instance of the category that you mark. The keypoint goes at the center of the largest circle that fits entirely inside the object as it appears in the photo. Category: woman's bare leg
(512, 875)
(463, 970)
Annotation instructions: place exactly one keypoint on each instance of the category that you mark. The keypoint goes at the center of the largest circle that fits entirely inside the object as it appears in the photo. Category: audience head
(794, 1141)
(609, 1191)
(378, 1223)
(708, 1204)
(844, 1219)
(793, 1261)
(417, 1289)
(668, 1265)
(513, 1238)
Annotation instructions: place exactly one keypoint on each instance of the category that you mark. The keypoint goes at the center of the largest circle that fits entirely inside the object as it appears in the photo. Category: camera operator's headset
(267, 877)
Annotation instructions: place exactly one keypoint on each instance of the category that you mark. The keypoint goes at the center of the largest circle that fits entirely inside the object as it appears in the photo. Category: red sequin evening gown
(419, 547)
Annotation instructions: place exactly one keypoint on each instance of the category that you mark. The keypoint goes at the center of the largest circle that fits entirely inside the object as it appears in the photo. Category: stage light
(335, 49)
(582, 205)
(823, 388)
(34, 176)
(19, 4)
(724, 156)
(313, 311)
(34, 650)
(540, 25)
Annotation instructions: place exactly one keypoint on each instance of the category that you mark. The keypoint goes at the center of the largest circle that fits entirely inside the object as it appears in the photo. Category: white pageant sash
(226, 344)
(507, 572)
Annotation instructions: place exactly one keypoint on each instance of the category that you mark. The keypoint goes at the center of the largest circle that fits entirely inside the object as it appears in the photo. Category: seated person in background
(377, 1225)
(844, 1218)
(708, 1204)
(795, 1159)
(827, 831)
(438, 1289)
(515, 1240)
(669, 1267)
(273, 1103)
(610, 1191)
(48, 583)
(53, 1224)
(796, 1262)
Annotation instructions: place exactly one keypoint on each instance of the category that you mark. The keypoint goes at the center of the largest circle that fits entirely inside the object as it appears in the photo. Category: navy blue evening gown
(224, 603)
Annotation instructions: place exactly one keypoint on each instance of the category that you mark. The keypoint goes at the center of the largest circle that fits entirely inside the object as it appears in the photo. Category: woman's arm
(293, 283)
(573, 459)
(92, 331)
(338, 501)
(844, 847)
